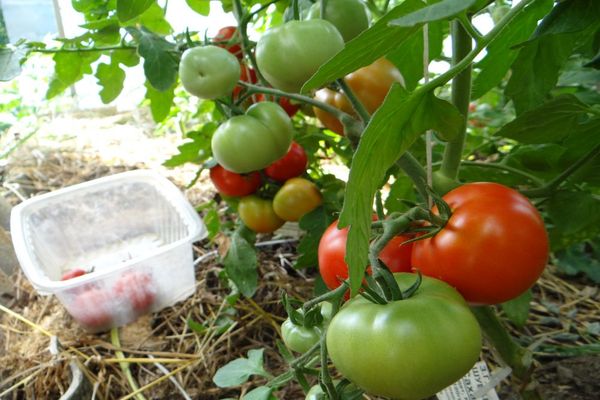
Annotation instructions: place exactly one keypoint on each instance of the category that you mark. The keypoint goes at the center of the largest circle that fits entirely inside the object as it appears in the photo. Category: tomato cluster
(93, 305)
(295, 195)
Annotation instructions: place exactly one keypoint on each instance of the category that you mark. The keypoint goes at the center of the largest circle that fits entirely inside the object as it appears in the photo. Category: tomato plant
(229, 39)
(297, 197)
(493, 247)
(332, 254)
(209, 72)
(407, 349)
(289, 54)
(258, 214)
(291, 165)
(232, 184)
(251, 142)
(138, 289)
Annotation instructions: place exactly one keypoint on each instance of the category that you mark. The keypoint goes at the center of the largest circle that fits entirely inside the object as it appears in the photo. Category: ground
(70, 148)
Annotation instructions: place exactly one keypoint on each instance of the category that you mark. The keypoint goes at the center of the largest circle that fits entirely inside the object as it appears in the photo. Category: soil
(559, 328)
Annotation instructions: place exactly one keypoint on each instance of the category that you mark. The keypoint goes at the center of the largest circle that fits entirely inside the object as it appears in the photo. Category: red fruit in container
(138, 289)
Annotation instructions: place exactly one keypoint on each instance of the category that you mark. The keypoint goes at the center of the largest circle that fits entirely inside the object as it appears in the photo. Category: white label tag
(467, 387)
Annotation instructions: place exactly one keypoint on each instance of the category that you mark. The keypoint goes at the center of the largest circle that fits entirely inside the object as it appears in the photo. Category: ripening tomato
(247, 74)
(291, 165)
(229, 39)
(297, 197)
(332, 251)
(369, 84)
(258, 214)
(138, 289)
(232, 184)
(492, 249)
(92, 308)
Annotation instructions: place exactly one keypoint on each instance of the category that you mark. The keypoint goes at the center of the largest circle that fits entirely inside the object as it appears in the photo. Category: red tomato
(228, 38)
(493, 247)
(332, 251)
(232, 184)
(137, 288)
(247, 75)
(291, 165)
(74, 273)
(92, 309)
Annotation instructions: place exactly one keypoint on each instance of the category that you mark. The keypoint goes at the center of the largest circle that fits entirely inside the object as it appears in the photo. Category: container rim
(44, 285)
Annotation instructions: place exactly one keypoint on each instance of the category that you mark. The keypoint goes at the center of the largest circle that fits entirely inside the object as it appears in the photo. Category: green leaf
(577, 260)
(517, 310)
(260, 393)
(314, 224)
(569, 17)
(10, 63)
(240, 264)
(500, 55)
(442, 117)
(212, 222)
(202, 7)
(126, 57)
(69, 68)
(575, 217)
(434, 12)
(408, 57)
(160, 103)
(367, 47)
(129, 9)
(239, 370)
(401, 189)
(536, 69)
(550, 122)
(111, 78)
(154, 20)
(196, 326)
(197, 150)
(83, 6)
(393, 128)
(160, 64)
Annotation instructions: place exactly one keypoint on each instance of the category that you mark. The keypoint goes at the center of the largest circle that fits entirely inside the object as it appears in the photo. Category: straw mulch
(167, 359)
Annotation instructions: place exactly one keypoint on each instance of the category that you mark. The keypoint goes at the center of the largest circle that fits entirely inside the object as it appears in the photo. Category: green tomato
(253, 141)
(290, 54)
(209, 72)
(315, 393)
(350, 17)
(299, 338)
(408, 349)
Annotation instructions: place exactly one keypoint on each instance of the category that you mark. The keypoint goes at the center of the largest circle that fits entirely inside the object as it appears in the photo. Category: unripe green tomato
(297, 197)
(257, 214)
(350, 17)
(290, 54)
(406, 349)
(253, 141)
(209, 72)
(299, 338)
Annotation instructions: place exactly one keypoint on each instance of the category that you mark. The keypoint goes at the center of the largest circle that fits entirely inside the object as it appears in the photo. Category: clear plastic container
(131, 234)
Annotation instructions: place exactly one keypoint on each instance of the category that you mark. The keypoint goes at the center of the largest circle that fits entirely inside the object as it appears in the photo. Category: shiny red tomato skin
(232, 184)
(291, 165)
(332, 251)
(492, 249)
(224, 37)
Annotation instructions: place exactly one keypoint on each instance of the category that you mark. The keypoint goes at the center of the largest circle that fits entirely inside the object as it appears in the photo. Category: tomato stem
(461, 94)
(354, 101)
(547, 189)
(333, 295)
(469, 28)
(415, 171)
(325, 378)
(114, 337)
(323, 9)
